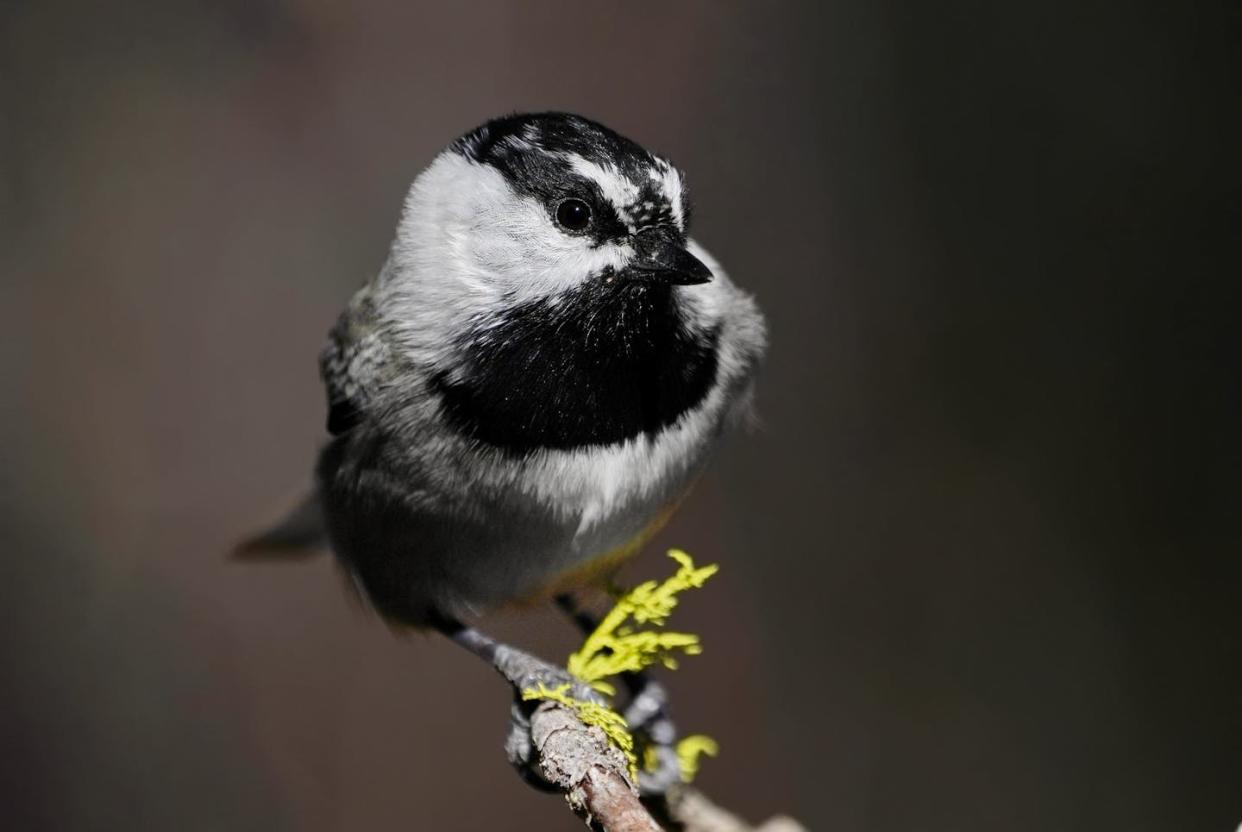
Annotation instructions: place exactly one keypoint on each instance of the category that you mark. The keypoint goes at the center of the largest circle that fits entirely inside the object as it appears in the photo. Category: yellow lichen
(688, 751)
(618, 646)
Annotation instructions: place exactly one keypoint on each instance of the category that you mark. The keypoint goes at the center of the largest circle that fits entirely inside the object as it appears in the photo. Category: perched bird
(533, 380)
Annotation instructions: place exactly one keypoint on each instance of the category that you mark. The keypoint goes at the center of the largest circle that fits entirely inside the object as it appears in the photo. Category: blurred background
(980, 563)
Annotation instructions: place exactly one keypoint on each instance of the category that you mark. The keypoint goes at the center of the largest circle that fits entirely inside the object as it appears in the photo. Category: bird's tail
(299, 535)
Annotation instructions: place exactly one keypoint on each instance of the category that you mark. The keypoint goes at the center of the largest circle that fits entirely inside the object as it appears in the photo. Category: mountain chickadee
(533, 380)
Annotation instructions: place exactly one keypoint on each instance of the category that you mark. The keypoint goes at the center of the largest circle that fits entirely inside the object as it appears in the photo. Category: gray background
(980, 564)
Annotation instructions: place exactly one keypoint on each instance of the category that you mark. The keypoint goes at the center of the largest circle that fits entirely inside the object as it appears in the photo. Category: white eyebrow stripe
(670, 183)
(616, 188)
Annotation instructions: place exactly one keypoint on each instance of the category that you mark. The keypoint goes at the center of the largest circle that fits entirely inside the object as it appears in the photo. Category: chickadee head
(543, 287)
(530, 206)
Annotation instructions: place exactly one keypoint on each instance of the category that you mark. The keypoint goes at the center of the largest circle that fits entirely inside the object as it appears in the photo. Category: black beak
(663, 259)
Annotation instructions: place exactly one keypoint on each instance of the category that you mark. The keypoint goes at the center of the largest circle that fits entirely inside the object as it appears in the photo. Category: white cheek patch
(544, 261)
(521, 248)
(465, 227)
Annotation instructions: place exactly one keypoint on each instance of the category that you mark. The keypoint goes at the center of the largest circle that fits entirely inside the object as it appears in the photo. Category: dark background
(980, 564)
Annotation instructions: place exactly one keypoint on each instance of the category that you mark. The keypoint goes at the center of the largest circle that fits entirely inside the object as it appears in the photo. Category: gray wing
(353, 364)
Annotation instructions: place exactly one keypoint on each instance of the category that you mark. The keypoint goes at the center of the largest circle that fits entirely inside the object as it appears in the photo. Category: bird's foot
(655, 734)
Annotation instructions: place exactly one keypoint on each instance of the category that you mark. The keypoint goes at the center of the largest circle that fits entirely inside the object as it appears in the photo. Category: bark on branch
(593, 774)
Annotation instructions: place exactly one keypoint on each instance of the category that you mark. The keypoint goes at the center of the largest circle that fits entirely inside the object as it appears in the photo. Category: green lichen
(591, 713)
(627, 640)
(689, 749)
(617, 646)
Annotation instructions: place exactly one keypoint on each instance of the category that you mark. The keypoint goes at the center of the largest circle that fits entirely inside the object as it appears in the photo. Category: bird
(525, 391)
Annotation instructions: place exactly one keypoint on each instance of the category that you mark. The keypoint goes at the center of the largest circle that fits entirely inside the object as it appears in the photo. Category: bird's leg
(646, 713)
(524, 672)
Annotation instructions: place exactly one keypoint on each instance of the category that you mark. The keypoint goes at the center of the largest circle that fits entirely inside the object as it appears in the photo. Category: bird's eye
(573, 214)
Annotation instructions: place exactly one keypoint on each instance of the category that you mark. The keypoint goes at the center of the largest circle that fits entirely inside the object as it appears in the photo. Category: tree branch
(687, 809)
(579, 760)
(551, 747)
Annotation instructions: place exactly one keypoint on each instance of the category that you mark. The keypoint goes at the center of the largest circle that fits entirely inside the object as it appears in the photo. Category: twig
(591, 771)
(552, 747)
(688, 810)
(580, 761)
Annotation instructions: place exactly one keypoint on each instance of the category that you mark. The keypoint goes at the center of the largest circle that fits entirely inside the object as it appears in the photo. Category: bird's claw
(656, 734)
(661, 772)
(645, 713)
